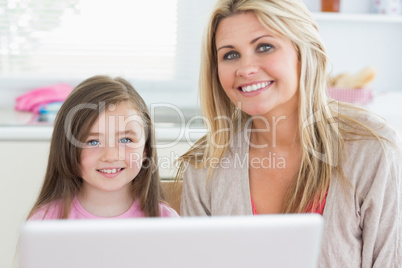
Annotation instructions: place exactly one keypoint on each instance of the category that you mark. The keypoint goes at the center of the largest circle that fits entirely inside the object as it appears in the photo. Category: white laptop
(291, 240)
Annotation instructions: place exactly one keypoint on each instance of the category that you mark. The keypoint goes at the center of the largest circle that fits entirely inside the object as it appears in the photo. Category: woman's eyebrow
(228, 46)
(258, 38)
(252, 41)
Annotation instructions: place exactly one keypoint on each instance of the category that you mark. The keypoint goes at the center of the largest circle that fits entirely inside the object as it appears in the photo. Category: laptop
(287, 240)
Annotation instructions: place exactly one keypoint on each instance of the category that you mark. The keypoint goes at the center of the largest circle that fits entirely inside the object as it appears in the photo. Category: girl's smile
(114, 151)
(110, 172)
(102, 159)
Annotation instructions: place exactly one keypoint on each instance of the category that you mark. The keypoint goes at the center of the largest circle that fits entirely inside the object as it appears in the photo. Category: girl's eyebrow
(126, 132)
(94, 134)
(252, 41)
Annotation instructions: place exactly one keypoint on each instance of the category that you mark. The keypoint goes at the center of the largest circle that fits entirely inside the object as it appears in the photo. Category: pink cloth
(359, 96)
(50, 212)
(34, 99)
(319, 209)
(253, 207)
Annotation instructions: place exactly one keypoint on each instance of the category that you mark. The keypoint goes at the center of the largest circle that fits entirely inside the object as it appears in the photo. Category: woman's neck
(105, 204)
(276, 131)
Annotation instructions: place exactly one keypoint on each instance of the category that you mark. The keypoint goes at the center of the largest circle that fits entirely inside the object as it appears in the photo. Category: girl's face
(258, 69)
(114, 151)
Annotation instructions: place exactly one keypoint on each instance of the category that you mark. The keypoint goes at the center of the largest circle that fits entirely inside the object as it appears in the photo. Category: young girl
(282, 146)
(102, 161)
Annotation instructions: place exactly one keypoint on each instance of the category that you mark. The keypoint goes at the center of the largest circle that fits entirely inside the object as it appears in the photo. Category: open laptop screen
(291, 240)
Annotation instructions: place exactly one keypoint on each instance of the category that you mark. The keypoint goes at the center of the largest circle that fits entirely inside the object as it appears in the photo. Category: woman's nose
(248, 67)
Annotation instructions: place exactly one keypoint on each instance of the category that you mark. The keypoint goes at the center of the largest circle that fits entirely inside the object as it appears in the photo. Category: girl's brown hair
(72, 125)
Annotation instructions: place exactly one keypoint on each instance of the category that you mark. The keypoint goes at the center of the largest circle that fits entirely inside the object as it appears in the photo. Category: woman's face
(114, 151)
(258, 69)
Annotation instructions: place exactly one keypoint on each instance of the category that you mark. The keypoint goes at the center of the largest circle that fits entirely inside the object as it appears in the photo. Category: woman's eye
(231, 55)
(264, 47)
(125, 140)
(93, 143)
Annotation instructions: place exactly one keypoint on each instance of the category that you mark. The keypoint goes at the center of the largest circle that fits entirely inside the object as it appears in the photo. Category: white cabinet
(354, 41)
(23, 165)
(356, 38)
(168, 156)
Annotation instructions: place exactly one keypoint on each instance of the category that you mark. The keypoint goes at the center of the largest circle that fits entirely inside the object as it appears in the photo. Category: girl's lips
(110, 172)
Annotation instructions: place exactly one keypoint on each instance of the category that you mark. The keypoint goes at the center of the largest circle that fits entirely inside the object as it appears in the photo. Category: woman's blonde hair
(320, 133)
(89, 99)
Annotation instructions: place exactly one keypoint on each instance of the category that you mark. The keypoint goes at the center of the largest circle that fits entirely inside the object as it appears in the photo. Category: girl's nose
(110, 153)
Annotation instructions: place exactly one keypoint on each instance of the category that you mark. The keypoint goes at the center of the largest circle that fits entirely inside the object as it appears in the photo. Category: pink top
(319, 209)
(50, 212)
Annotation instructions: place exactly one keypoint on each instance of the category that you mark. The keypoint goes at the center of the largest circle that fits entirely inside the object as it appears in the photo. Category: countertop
(17, 125)
(22, 126)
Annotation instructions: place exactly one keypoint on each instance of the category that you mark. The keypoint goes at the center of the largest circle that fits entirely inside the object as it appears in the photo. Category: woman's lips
(255, 87)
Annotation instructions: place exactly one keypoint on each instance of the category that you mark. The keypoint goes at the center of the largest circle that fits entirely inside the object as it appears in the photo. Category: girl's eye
(231, 55)
(125, 140)
(93, 143)
(264, 47)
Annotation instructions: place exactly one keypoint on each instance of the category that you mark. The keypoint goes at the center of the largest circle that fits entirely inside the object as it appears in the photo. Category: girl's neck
(105, 204)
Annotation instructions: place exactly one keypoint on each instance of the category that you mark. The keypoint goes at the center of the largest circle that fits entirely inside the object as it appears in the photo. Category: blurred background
(51, 46)
(156, 44)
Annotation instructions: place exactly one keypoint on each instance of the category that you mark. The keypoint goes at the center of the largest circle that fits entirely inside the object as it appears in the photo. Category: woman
(276, 144)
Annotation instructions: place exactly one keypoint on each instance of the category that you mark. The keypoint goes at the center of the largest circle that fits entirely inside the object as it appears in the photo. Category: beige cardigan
(362, 228)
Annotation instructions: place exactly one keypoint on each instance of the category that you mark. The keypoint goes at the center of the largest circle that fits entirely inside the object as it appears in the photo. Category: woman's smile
(251, 87)
(257, 69)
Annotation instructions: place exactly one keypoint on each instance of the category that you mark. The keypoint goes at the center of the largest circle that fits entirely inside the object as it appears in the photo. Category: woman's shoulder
(359, 120)
(371, 147)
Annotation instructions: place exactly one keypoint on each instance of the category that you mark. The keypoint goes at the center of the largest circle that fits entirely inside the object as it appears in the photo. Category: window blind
(78, 38)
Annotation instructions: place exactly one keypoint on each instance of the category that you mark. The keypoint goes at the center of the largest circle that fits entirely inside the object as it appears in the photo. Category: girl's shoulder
(166, 211)
(49, 211)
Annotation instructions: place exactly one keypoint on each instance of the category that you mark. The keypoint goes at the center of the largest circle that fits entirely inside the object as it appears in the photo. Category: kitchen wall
(352, 41)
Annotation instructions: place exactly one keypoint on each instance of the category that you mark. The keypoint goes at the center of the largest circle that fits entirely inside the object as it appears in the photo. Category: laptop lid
(289, 240)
